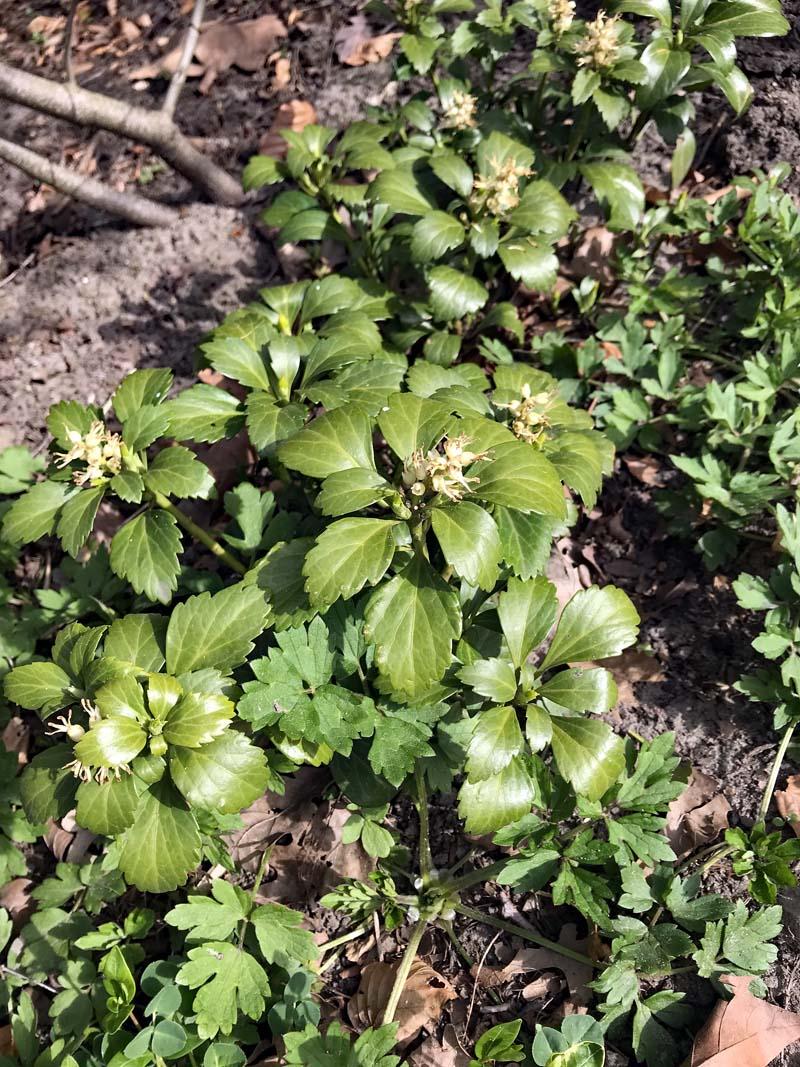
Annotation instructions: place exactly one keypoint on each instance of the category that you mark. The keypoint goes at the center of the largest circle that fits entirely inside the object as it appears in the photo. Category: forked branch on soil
(152, 128)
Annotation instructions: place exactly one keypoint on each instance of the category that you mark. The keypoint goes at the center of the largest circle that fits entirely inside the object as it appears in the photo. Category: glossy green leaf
(582, 689)
(435, 234)
(618, 188)
(178, 472)
(596, 623)
(162, 845)
(517, 476)
(588, 754)
(496, 740)
(111, 743)
(145, 553)
(138, 639)
(215, 631)
(410, 422)
(470, 542)
(197, 718)
(495, 802)
(454, 294)
(527, 611)
(226, 775)
(33, 515)
(109, 808)
(39, 686)
(351, 490)
(77, 519)
(336, 441)
(404, 191)
(350, 554)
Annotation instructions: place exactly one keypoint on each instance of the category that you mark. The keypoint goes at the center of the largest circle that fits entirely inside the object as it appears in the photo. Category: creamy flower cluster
(529, 414)
(562, 14)
(599, 47)
(100, 450)
(442, 472)
(499, 192)
(460, 111)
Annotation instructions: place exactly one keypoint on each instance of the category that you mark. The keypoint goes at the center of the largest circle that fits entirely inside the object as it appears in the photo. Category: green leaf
(269, 423)
(69, 415)
(262, 170)
(470, 542)
(145, 553)
(350, 554)
(138, 639)
(162, 846)
(39, 686)
(747, 18)
(197, 718)
(579, 458)
(412, 621)
(403, 191)
(535, 265)
(542, 209)
(235, 358)
(230, 983)
(527, 610)
(145, 426)
(336, 441)
(139, 389)
(128, 486)
(618, 188)
(682, 157)
(495, 802)
(204, 413)
(451, 169)
(588, 754)
(47, 789)
(109, 808)
(596, 623)
(526, 540)
(419, 51)
(581, 689)
(434, 234)
(352, 490)
(734, 84)
(517, 476)
(215, 631)
(177, 471)
(654, 9)
(454, 294)
(227, 774)
(211, 918)
(410, 422)
(665, 65)
(496, 740)
(111, 743)
(77, 519)
(399, 742)
(281, 936)
(33, 515)
(492, 678)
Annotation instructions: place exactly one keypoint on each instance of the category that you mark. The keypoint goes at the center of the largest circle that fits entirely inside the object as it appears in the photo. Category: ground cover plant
(377, 603)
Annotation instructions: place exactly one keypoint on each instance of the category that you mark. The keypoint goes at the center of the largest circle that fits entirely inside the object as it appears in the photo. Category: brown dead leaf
(356, 46)
(745, 1031)
(787, 801)
(16, 737)
(221, 45)
(15, 898)
(698, 816)
(445, 1053)
(577, 975)
(645, 469)
(305, 830)
(6, 1041)
(563, 572)
(593, 255)
(294, 115)
(545, 987)
(421, 1003)
(283, 73)
(66, 840)
(631, 667)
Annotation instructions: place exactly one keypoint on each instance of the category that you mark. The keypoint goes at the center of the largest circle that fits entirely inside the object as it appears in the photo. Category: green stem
(480, 874)
(776, 770)
(198, 533)
(336, 942)
(526, 935)
(425, 860)
(403, 971)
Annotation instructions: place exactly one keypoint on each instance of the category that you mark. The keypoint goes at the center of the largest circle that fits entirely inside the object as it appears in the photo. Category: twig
(198, 533)
(152, 128)
(68, 34)
(189, 45)
(24, 978)
(10, 277)
(526, 935)
(87, 190)
(478, 970)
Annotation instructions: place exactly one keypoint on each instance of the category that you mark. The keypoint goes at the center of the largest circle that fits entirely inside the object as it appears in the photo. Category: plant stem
(198, 533)
(526, 935)
(425, 861)
(336, 942)
(775, 771)
(403, 971)
(480, 874)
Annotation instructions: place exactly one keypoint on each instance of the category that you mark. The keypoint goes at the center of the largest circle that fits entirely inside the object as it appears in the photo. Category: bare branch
(189, 45)
(128, 206)
(153, 128)
(68, 34)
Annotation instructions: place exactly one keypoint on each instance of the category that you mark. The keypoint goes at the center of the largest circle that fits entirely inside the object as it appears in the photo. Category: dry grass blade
(745, 1031)
(425, 994)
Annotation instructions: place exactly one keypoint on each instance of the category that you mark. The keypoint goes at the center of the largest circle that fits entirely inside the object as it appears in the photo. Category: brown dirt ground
(97, 299)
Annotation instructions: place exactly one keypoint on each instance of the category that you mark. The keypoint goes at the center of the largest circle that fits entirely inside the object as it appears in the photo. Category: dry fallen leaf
(355, 45)
(787, 801)
(698, 816)
(6, 1041)
(631, 667)
(16, 899)
(283, 73)
(646, 469)
(16, 737)
(221, 45)
(577, 975)
(294, 115)
(425, 994)
(745, 1031)
(308, 857)
(445, 1053)
(66, 840)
